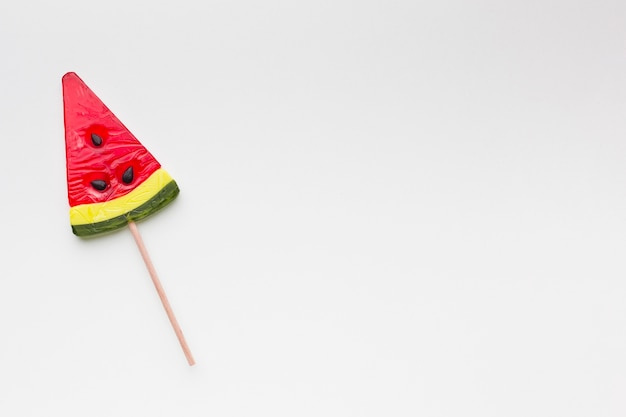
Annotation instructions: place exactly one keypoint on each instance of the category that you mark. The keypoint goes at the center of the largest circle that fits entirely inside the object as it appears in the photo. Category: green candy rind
(161, 199)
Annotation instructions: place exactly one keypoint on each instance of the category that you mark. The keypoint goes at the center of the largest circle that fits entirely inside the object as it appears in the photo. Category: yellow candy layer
(99, 212)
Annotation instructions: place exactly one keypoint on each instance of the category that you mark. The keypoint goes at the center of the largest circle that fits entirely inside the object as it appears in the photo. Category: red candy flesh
(85, 114)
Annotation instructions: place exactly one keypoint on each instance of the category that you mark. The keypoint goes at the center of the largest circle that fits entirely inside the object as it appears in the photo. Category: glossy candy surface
(111, 177)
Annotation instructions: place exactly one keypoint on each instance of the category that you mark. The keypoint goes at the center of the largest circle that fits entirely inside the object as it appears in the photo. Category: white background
(387, 208)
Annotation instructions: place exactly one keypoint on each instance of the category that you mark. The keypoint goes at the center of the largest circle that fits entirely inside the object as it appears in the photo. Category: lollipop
(112, 179)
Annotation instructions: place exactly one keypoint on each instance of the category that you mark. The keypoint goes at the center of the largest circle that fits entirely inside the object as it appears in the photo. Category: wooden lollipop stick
(159, 288)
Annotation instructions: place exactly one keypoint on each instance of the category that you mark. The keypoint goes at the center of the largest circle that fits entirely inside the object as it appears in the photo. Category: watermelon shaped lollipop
(112, 179)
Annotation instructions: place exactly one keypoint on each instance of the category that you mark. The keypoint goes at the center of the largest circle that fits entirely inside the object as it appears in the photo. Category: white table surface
(402, 208)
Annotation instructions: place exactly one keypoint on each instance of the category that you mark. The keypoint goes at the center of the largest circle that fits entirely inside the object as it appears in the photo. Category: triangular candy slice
(111, 177)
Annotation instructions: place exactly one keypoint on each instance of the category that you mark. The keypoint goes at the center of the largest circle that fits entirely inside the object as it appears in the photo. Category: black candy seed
(96, 140)
(128, 175)
(99, 185)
